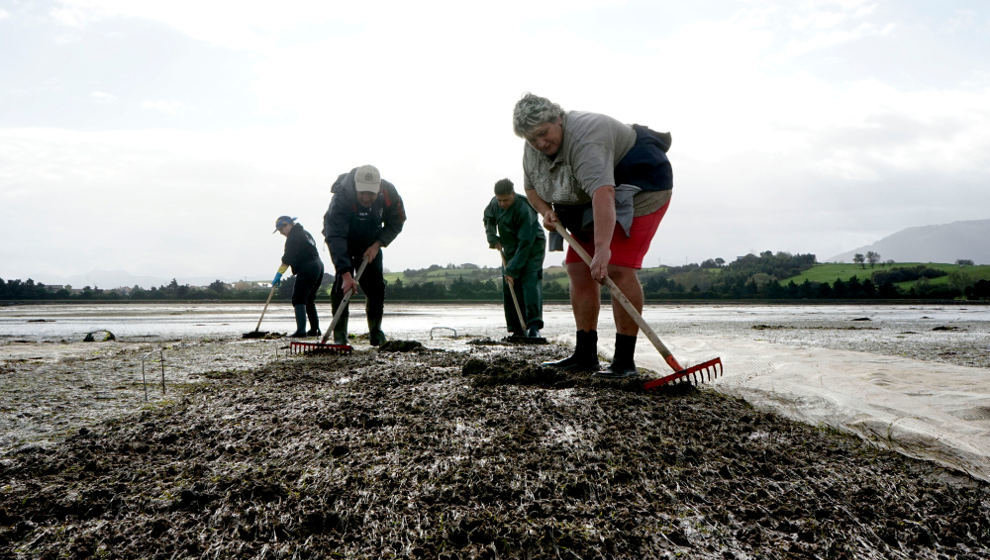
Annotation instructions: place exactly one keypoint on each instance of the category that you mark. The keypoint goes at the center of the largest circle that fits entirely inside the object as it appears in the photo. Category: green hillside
(689, 276)
(444, 275)
(830, 272)
(467, 272)
(769, 275)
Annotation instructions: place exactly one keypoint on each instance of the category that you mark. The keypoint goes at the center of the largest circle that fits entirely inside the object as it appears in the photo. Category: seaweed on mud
(487, 341)
(373, 455)
(765, 327)
(506, 370)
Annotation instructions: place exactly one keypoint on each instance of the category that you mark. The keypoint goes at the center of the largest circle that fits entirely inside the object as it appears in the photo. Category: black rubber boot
(340, 330)
(585, 356)
(300, 321)
(375, 335)
(623, 364)
(314, 321)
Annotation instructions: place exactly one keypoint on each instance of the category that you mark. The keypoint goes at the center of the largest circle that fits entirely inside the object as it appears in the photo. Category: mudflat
(411, 452)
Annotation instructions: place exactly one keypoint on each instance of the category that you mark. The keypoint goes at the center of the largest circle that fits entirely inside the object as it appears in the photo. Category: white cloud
(825, 39)
(103, 97)
(170, 201)
(164, 106)
(770, 152)
(69, 17)
(962, 19)
(255, 25)
(827, 14)
(4, 14)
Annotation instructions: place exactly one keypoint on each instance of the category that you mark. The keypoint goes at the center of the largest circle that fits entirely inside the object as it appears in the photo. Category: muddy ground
(477, 454)
(50, 389)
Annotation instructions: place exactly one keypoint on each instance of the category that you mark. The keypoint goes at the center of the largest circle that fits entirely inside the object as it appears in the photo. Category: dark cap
(284, 221)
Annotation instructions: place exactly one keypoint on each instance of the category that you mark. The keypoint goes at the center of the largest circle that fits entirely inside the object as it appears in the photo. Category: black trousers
(372, 284)
(308, 280)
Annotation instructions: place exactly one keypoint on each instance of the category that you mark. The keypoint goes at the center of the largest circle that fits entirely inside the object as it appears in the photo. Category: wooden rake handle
(512, 291)
(343, 304)
(269, 300)
(617, 295)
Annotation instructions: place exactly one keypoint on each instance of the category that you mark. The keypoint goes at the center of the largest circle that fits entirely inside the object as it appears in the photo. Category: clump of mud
(503, 370)
(487, 341)
(401, 346)
(100, 336)
(266, 335)
(379, 455)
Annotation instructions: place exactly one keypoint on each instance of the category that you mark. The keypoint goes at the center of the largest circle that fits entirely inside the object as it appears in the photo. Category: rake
(519, 313)
(697, 373)
(257, 333)
(322, 347)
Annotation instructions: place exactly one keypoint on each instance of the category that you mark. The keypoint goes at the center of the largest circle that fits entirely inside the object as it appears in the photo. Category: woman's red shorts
(628, 250)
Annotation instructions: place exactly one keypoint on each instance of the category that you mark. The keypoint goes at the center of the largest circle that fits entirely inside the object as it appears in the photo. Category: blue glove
(278, 278)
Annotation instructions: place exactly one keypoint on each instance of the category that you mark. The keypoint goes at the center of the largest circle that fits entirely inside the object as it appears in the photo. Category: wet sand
(460, 454)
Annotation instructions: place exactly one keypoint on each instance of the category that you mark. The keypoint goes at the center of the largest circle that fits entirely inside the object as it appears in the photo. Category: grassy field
(447, 275)
(443, 275)
(821, 273)
(830, 272)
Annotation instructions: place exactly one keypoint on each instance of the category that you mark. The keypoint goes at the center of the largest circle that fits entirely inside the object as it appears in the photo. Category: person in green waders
(301, 254)
(513, 228)
(365, 214)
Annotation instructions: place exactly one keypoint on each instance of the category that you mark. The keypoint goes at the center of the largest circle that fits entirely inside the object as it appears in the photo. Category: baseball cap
(283, 221)
(367, 179)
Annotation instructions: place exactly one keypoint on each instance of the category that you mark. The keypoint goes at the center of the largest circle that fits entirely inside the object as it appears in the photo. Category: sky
(161, 140)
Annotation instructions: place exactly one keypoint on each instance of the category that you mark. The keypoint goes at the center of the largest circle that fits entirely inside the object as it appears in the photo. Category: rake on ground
(697, 373)
(322, 347)
(259, 333)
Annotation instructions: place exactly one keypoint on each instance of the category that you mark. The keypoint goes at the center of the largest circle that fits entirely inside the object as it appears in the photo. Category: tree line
(750, 277)
(173, 291)
(757, 277)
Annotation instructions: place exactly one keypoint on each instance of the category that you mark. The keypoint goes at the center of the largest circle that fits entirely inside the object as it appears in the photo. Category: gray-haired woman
(609, 184)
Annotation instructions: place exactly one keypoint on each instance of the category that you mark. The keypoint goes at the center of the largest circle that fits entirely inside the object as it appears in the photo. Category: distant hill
(944, 243)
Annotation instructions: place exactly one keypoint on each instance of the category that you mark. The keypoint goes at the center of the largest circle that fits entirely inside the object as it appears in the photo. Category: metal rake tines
(319, 348)
(705, 371)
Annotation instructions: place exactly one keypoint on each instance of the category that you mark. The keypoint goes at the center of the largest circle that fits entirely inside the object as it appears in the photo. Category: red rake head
(319, 348)
(695, 374)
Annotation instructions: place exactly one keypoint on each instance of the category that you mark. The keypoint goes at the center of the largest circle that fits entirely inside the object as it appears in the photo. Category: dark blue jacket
(349, 228)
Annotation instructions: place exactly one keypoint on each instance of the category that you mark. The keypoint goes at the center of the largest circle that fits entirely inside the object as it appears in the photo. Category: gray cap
(367, 179)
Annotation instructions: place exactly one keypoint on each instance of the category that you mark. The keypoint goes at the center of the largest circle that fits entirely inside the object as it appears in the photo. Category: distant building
(249, 285)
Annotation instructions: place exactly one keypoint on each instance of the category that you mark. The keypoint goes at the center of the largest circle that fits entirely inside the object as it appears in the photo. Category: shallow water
(417, 321)
(54, 322)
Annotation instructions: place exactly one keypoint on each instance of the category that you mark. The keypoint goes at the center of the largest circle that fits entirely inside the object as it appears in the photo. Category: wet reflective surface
(958, 334)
